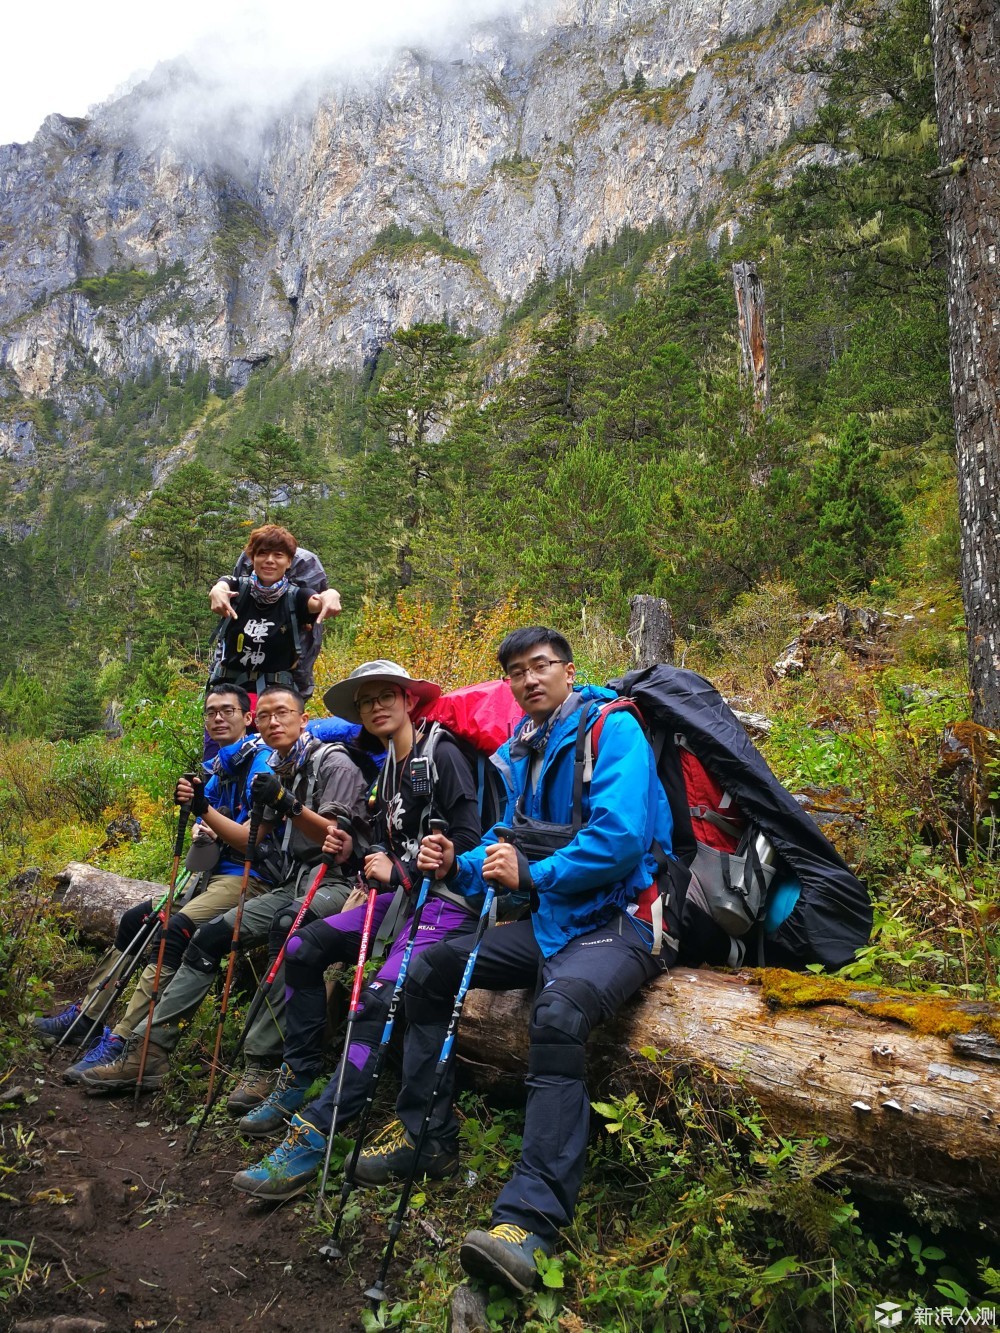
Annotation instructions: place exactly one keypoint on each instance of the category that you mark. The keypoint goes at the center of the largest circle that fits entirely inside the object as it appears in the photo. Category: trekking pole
(125, 965)
(265, 987)
(165, 911)
(330, 1249)
(376, 1292)
(256, 815)
(352, 1011)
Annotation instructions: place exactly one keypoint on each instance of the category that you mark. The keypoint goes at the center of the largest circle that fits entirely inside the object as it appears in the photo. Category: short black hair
(237, 691)
(520, 640)
(283, 689)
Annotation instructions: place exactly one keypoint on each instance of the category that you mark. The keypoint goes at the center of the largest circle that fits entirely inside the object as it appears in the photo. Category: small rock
(468, 1311)
(63, 1323)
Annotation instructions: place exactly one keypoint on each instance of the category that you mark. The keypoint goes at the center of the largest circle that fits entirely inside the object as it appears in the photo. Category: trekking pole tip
(376, 1294)
(329, 1250)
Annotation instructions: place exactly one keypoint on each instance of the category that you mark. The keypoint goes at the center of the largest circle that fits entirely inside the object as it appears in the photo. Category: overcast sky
(67, 55)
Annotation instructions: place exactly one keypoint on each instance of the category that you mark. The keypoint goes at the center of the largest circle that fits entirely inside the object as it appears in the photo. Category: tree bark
(650, 631)
(966, 42)
(753, 330)
(96, 899)
(911, 1113)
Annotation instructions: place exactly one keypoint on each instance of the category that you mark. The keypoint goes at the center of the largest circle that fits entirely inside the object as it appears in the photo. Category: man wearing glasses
(238, 759)
(582, 841)
(309, 782)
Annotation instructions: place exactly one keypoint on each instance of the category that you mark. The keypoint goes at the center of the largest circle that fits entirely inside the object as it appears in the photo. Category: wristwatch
(297, 808)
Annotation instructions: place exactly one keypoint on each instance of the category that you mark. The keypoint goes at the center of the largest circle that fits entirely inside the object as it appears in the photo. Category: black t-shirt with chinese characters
(401, 815)
(260, 640)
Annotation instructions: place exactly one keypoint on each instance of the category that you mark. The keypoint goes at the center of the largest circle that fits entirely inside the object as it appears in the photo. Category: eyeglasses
(225, 710)
(385, 699)
(538, 666)
(278, 715)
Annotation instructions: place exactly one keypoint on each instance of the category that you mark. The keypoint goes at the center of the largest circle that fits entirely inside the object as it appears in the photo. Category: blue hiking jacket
(609, 862)
(232, 797)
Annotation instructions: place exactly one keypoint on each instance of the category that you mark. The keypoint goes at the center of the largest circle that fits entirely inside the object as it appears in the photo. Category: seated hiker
(584, 864)
(268, 618)
(425, 776)
(227, 717)
(308, 782)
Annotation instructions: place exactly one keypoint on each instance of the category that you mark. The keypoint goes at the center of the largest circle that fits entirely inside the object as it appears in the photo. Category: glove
(266, 789)
(198, 803)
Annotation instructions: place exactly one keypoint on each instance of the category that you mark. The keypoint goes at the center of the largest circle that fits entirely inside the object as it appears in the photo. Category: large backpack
(739, 833)
(479, 719)
(306, 571)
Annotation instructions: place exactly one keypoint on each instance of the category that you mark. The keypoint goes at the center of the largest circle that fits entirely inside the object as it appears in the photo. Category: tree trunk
(966, 42)
(650, 631)
(909, 1111)
(753, 330)
(96, 899)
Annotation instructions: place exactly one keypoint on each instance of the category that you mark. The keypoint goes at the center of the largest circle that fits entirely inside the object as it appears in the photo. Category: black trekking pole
(256, 815)
(125, 967)
(352, 1013)
(165, 912)
(330, 1249)
(376, 1292)
(264, 989)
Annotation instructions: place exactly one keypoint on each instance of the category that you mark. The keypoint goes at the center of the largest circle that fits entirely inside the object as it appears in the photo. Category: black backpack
(832, 917)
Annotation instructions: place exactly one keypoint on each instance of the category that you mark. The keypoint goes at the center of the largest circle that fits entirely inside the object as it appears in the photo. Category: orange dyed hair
(271, 538)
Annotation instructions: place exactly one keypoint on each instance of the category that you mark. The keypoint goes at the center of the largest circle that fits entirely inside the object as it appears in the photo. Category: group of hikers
(372, 845)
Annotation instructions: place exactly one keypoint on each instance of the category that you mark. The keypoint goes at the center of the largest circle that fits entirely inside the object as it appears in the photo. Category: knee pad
(131, 923)
(211, 941)
(429, 990)
(561, 1021)
(304, 954)
(370, 1023)
(281, 924)
(179, 932)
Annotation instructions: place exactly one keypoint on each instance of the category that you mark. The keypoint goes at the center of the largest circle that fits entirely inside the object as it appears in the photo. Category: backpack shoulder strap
(243, 589)
(624, 704)
(291, 594)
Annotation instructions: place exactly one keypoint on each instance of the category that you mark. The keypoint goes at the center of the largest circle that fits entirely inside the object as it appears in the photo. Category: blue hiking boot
(51, 1029)
(504, 1254)
(275, 1111)
(105, 1049)
(288, 1170)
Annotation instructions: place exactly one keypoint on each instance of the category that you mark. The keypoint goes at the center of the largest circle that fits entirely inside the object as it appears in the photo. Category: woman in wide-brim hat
(341, 698)
(425, 776)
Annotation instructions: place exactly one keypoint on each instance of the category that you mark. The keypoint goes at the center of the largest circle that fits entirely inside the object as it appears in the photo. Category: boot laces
(102, 1050)
(513, 1235)
(297, 1137)
(392, 1138)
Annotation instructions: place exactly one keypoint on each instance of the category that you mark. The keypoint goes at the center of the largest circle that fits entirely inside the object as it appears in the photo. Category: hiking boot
(288, 1170)
(122, 1073)
(504, 1254)
(253, 1088)
(51, 1029)
(271, 1116)
(391, 1156)
(105, 1050)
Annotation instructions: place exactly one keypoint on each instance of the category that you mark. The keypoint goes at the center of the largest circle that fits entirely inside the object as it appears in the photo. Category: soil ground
(129, 1234)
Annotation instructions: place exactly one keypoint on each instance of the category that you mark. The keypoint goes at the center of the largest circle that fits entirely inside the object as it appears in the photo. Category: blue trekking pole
(331, 1249)
(376, 1292)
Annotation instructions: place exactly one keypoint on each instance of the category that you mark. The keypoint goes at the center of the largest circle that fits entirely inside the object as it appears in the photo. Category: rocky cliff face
(438, 189)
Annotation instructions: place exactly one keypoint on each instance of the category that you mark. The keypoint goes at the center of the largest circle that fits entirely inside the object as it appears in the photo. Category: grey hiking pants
(210, 946)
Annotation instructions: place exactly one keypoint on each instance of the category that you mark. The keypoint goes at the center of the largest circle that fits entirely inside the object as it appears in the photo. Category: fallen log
(96, 899)
(906, 1087)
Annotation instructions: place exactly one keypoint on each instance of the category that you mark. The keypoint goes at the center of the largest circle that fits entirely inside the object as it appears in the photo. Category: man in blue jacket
(580, 865)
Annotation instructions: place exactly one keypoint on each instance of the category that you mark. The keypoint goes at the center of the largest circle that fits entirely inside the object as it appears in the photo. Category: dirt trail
(136, 1237)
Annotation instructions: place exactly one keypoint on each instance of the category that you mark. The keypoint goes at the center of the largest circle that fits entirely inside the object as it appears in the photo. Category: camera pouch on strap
(734, 885)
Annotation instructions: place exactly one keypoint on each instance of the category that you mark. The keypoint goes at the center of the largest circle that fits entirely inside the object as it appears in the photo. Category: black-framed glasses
(224, 710)
(538, 666)
(386, 698)
(278, 715)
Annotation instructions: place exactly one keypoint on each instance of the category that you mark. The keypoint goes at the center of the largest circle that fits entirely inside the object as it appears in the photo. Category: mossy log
(906, 1087)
